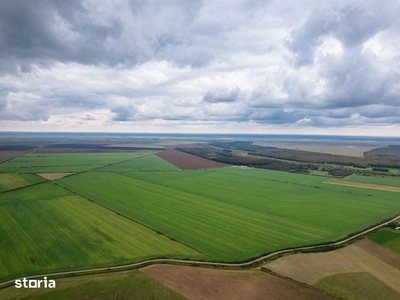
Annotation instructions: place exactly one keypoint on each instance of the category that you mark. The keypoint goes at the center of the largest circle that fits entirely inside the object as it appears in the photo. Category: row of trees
(388, 157)
(244, 153)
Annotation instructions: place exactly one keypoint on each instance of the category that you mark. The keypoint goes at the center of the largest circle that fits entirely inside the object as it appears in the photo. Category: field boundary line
(29, 152)
(243, 265)
(126, 217)
(269, 271)
(25, 186)
(103, 166)
(365, 185)
(374, 183)
(79, 172)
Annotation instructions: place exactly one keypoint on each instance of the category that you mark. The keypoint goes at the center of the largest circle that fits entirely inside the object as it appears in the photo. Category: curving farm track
(196, 263)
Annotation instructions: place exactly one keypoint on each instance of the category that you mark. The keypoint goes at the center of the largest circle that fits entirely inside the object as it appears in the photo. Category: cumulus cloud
(351, 24)
(199, 64)
(23, 106)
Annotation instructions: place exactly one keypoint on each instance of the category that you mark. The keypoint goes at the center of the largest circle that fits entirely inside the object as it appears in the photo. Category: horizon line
(196, 133)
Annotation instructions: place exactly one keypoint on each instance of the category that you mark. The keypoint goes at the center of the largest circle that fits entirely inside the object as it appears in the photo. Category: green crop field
(388, 238)
(45, 228)
(394, 170)
(357, 286)
(13, 181)
(376, 180)
(120, 285)
(64, 162)
(145, 163)
(142, 207)
(293, 196)
(232, 214)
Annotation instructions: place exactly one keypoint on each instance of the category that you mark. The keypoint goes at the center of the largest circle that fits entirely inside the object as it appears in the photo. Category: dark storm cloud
(36, 32)
(25, 34)
(44, 31)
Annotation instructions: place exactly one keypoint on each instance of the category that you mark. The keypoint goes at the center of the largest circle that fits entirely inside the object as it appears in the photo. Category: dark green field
(388, 238)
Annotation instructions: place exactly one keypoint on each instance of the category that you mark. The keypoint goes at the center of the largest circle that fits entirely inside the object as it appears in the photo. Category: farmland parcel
(63, 162)
(14, 181)
(232, 214)
(363, 270)
(125, 207)
(45, 228)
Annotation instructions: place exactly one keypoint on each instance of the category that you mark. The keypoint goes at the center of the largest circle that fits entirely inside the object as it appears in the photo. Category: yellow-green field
(364, 185)
(52, 176)
(13, 181)
(45, 228)
(392, 181)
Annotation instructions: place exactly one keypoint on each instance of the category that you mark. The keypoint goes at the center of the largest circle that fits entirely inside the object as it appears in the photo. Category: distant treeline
(296, 161)
(295, 155)
(384, 157)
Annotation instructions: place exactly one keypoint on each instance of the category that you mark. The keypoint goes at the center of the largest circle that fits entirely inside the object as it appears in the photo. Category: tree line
(296, 161)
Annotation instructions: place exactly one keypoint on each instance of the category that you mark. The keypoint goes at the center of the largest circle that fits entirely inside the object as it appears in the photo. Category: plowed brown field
(7, 155)
(186, 161)
(312, 267)
(204, 283)
(361, 256)
(389, 257)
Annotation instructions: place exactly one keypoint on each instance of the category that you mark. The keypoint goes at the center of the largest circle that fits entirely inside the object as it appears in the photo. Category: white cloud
(200, 65)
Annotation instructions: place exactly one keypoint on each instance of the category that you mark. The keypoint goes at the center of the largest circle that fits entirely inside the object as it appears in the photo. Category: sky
(268, 67)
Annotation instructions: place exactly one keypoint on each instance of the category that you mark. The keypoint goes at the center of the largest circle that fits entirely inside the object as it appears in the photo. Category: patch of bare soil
(7, 155)
(53, 176)
(389, 257)
(365, 185)
(205, 283)
(312, 267)
(187, 161)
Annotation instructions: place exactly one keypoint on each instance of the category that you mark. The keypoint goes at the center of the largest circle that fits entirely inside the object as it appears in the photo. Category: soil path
(243, 265)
